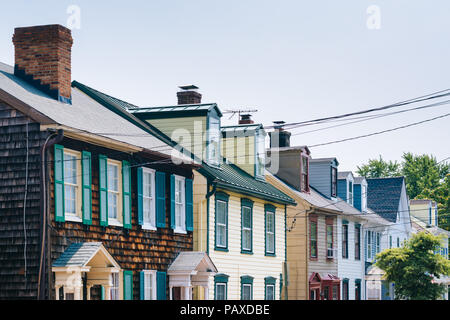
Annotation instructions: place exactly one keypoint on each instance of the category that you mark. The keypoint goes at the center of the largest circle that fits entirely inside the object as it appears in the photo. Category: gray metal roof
(77, 254)
(84, 115)
(344, 174)
(189, 261)
(177, 108)
(358, 180)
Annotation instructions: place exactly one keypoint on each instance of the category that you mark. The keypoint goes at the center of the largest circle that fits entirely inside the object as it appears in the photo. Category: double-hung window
(246, 288)
(114, 192)
(180, 211)
(378, 242)
(221, 219)
(305, 174)
(246, 226)
(148, 199)
(344, 239)
(369, 245)
(220, 286)
(329, 226)
(333, 182)
(313, 238)
(260, 154)
(114, 289)
(213, 143)
(269, 287)
(72, 185)
(357, 242)
(345, 289)
(270, 229)
(148, 283)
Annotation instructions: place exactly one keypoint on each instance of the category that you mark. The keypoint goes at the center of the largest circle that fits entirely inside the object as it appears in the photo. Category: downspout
(51, 140)
(208, 195)
(285, 255)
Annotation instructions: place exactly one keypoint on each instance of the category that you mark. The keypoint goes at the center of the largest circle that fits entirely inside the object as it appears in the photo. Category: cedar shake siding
(14, 283)
(134, 249)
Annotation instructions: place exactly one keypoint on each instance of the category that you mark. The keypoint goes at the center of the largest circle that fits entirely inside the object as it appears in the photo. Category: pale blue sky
(292, 60)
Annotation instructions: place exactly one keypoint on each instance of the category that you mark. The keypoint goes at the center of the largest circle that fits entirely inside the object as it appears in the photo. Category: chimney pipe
(246, 119)
(279, 138)
(189, 95)
(43, 59)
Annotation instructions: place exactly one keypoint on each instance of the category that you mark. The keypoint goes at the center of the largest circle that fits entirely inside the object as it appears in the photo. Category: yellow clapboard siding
(240, 151)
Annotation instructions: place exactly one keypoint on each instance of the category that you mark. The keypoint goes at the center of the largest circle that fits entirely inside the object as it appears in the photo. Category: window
(246, 288)
(369, 245)
(329, 223)
(344, 240)
(305, 174)
(180, 211)
(72, 185)
(313, 238)
(221, 221)
(378, 237)
(246, 226)
(260, 154)
(220, 286)
(335, 293)
(269, 284)
(357, 289)
(148, 198)
(213, 143)
(114, 193)
(398, 242)
(148, 280)
(326, 293)
(114, 289)
(345, 289)
(350, 192)
(363, 198)
(333, 182)
(270, 229)
(357, 242)
(390, 242)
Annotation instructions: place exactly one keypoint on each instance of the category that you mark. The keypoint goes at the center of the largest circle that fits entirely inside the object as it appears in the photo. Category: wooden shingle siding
(134, 249)
(12, 190)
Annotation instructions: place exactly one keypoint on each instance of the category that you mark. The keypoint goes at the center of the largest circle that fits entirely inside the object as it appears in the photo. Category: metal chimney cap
(188, 87)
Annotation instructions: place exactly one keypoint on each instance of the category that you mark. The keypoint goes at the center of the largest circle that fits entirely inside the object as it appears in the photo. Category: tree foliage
(414, 266)
(378, 168)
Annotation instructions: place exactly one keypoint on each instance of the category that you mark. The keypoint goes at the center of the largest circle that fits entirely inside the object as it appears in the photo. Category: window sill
(148, 227)
(114, 222)
(221, 249)
(71, 218)
(180, 231)
(246, 252)
(268, 254)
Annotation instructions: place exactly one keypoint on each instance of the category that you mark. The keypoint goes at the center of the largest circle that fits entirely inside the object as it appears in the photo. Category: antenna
(239, 111)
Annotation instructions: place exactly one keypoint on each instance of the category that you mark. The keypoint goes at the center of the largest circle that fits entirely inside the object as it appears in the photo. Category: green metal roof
(241, 129)
(202, 108)
(227, 175)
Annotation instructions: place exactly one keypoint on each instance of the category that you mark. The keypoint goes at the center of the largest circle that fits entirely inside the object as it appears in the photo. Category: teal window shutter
(140, 196)
(189, 205)
(374, 245)
(172, 201)
(102, 292)
(87, 187)
(103, 188)
(142, 285)
(128, 285)
(126, 190)
(160, 199)
(161, 285)
(59, 183)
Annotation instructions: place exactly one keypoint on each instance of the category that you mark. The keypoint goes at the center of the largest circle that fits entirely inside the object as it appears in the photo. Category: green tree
(422, 173)
(378, 168)
(441, 195)
(413, 267)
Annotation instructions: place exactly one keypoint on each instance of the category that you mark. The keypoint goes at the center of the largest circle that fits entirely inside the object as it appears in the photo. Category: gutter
(52, 139)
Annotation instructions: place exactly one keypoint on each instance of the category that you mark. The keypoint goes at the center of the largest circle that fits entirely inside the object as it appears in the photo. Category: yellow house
(239, 218)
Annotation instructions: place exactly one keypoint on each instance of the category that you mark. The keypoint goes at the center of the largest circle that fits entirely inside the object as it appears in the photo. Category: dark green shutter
(172, 201)
(189, 205)
(86, 187)
(140, 196)
(128, 285)
(161, 285)
(126, 189)
(142, 284)
(59, 183)
(160, 188)
(103, 188)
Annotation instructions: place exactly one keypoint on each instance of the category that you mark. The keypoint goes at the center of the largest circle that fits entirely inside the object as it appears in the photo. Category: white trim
(146, 224)
(177, 229)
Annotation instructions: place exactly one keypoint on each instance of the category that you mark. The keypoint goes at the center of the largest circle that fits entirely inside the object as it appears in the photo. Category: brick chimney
(43, 58)
(246, 119)
(279, 138)
(189, 95)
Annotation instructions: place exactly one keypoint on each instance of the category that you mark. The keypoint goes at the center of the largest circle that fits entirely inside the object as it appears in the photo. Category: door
(176, 293)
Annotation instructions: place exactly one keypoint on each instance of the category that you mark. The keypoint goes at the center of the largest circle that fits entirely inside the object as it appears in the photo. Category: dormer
(345, 186)
(323, 176)
(360, 194)
(244, 145)
(194, 125)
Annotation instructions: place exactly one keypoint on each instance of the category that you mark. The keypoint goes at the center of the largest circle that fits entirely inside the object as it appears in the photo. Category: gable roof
(84, 116)
(183, 109)
(78, 254)
(383, 196)
(189, 261)
(241, 129)
(227, 175)
(344, 174)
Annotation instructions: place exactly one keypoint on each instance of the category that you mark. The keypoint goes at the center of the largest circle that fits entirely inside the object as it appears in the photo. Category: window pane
(270, 292)
(113, 177)
(112, 205)
(246, 292)
(246, 217)
(220, 291)
(70, 199)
